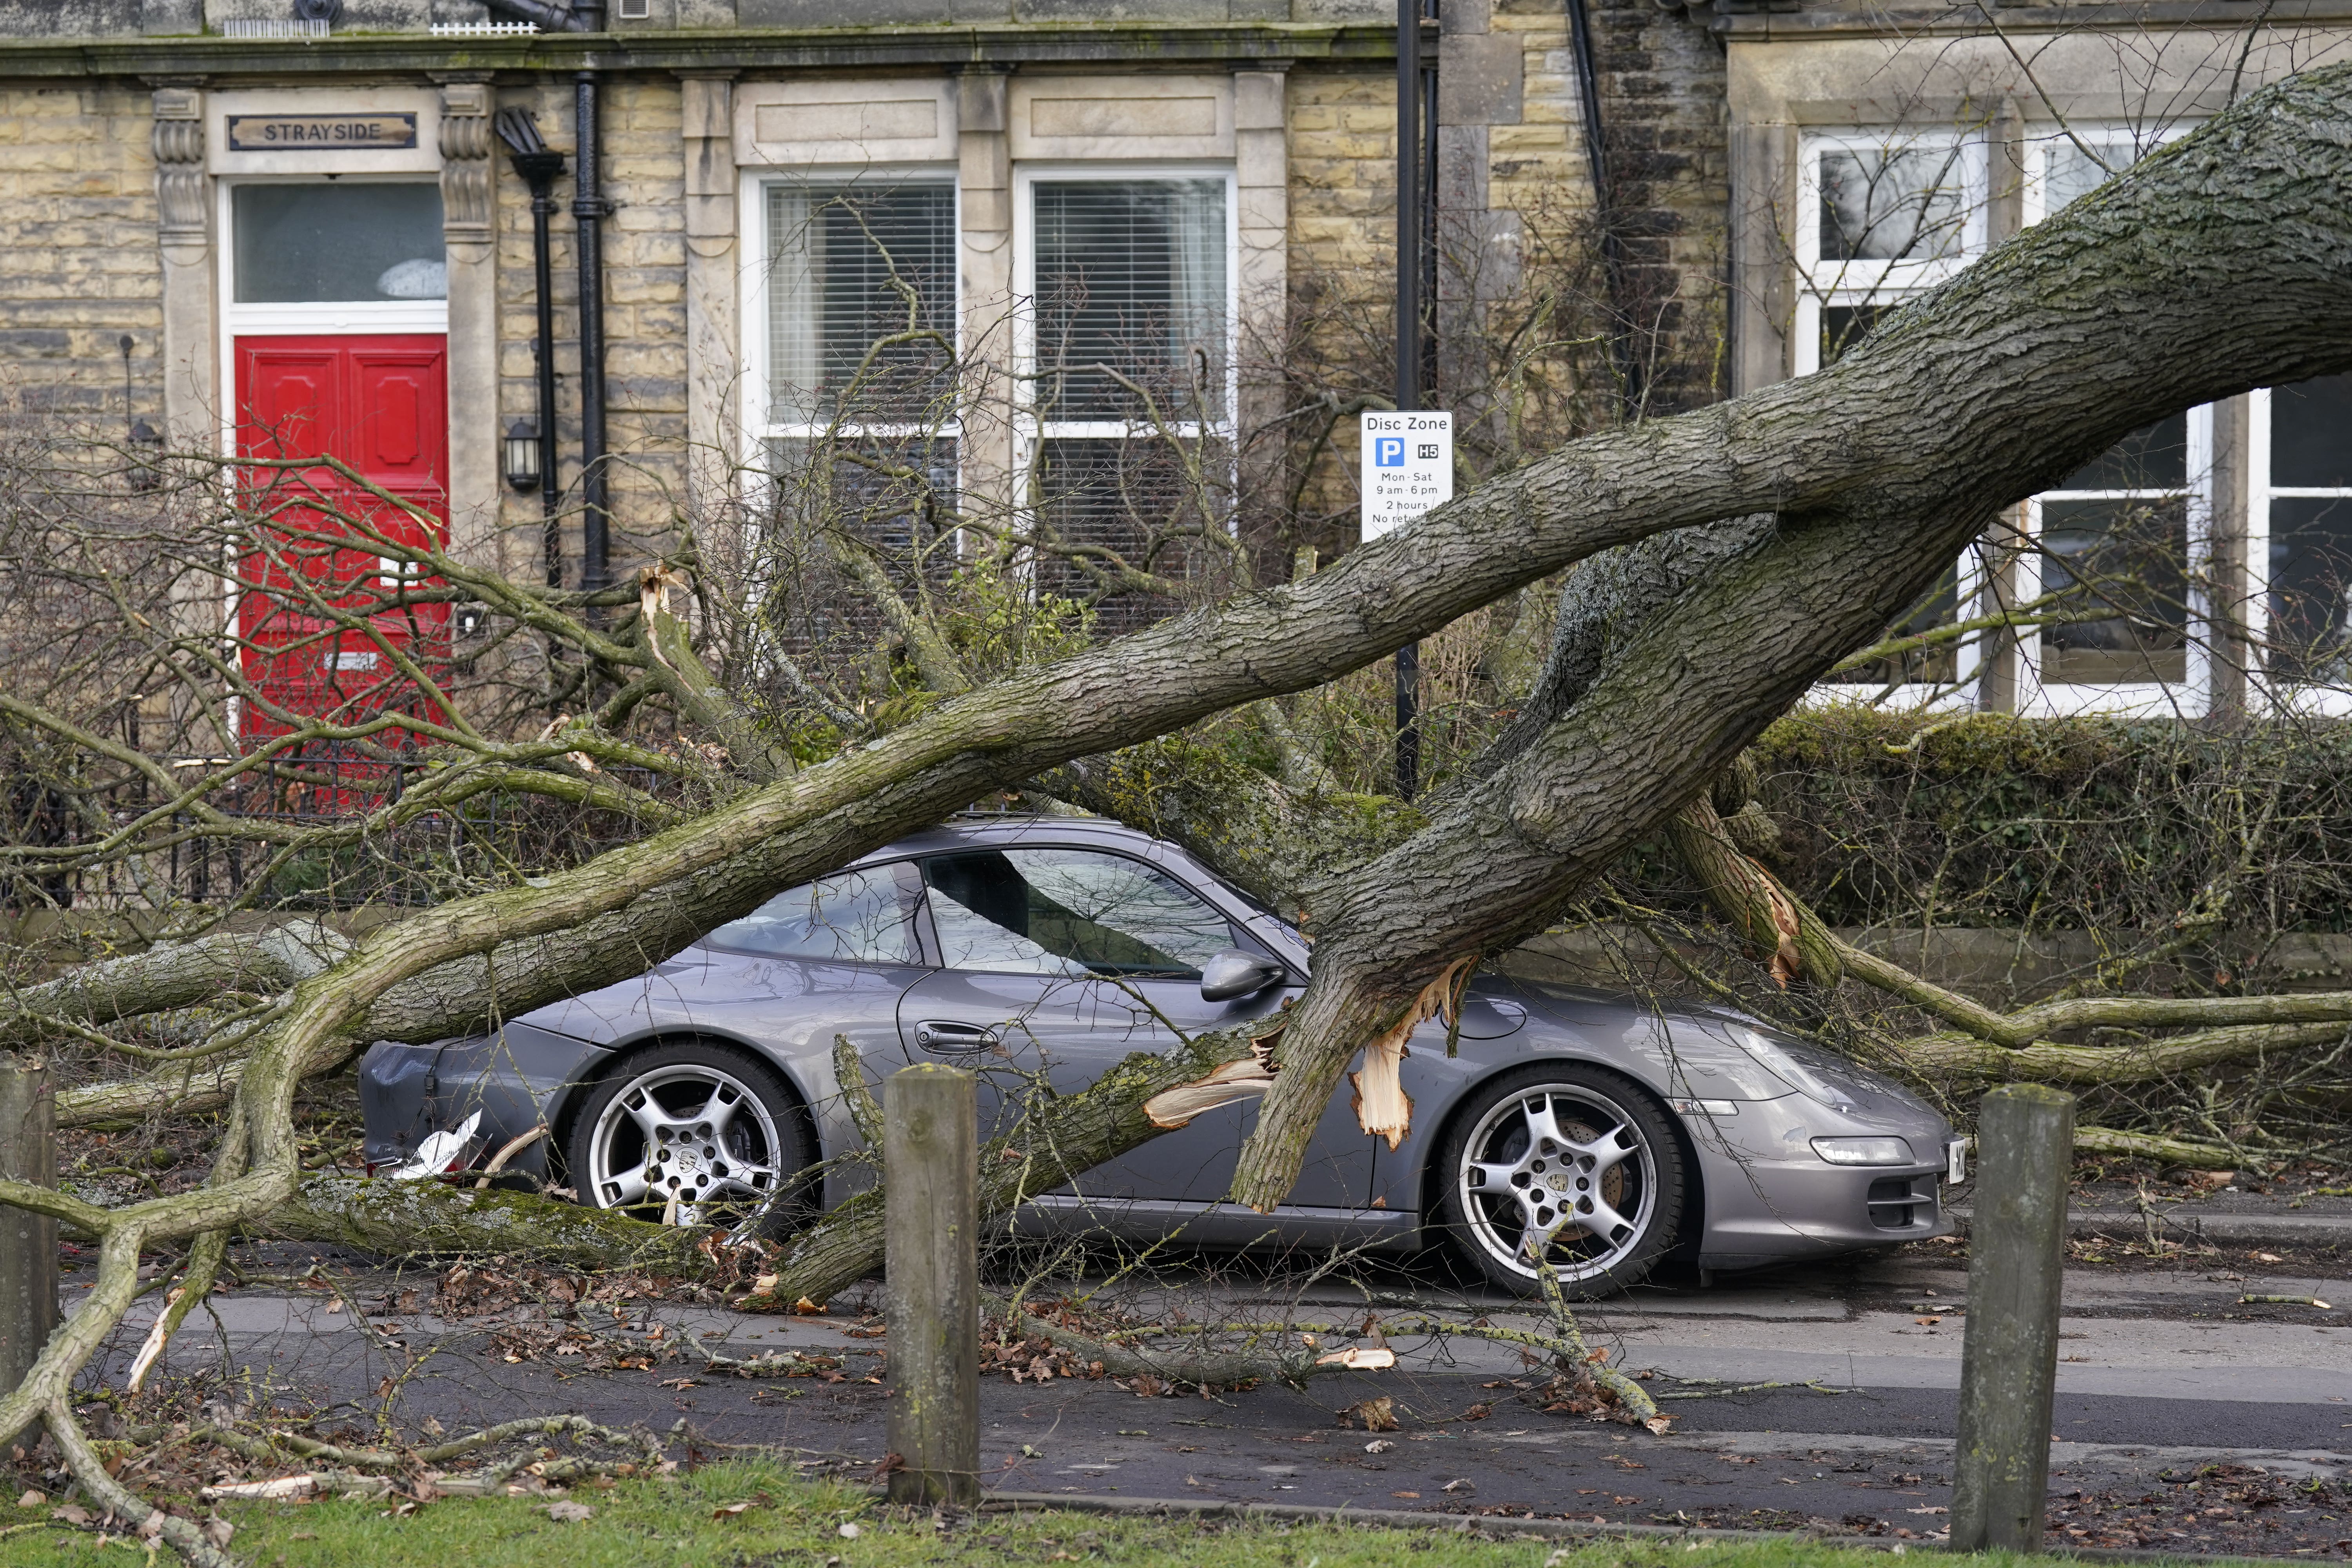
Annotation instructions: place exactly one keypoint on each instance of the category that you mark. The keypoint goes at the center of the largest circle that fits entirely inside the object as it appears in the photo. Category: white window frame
(2185, 698)
(1825, 285)
(2301, 697)
(758, 429)
(2189, 697)
(1032, 431)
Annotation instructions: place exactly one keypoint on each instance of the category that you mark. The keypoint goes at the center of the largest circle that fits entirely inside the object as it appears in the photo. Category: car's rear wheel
(691, 1132)
(1566, 1167)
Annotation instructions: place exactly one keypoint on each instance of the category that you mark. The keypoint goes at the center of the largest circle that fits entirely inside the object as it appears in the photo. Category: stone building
(220, 214)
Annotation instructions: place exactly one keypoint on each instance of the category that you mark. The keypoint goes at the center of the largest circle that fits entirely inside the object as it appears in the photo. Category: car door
(1058, 962)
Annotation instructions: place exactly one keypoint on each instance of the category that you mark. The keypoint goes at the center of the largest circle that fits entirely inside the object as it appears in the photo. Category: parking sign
(1408, 467)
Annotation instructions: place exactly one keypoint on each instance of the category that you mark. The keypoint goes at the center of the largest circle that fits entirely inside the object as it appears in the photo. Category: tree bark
(2123, 307)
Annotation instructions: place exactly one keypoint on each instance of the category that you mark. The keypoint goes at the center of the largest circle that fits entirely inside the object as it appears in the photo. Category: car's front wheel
(1561, 1166)
(691, 1132)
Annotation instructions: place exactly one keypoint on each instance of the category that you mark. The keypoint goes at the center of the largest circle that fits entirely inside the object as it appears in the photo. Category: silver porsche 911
(1592, 1134)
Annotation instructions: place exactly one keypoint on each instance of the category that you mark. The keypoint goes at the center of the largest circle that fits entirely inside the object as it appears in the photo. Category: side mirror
(1234, 974)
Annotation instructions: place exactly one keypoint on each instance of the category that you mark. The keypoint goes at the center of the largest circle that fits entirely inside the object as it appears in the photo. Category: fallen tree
(1795, 524)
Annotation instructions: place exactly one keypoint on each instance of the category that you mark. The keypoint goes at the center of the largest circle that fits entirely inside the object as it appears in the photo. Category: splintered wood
(1383, 1108)
(1251, 1076)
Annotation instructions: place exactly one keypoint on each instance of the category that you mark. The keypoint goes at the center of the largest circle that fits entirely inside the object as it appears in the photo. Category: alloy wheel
(690, 1139)
(1558, 1176)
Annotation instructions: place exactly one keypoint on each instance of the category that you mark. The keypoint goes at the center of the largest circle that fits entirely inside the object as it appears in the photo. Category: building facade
(997, 239)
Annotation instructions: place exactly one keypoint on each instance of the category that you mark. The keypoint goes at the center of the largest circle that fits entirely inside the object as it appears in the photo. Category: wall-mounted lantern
(523, 455)
(146, 444)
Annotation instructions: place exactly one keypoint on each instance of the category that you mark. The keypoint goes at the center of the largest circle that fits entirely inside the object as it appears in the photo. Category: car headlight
(1864, 1151)
(1793, 1073)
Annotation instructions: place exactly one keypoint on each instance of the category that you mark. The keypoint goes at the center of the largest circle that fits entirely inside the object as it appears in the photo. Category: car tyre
(1575, 1158)
(693, 1132)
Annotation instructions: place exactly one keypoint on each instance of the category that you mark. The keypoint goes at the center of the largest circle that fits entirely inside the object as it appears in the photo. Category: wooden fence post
(2009, 1360)
(930, 1152)
(28, 1242)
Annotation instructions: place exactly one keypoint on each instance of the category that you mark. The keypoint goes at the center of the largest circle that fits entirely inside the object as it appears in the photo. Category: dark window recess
(2131, 559)
(1843, 326)
(1105, 502)
(2152, 457)
(2310, 434)
(2311, 535)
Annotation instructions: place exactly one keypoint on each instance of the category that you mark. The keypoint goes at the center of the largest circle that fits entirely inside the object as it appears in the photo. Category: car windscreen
(857, 917)
(1069, 912)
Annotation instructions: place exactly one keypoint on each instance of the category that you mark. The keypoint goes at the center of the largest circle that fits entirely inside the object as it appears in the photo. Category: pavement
(2186, 1419)
(2249, 1216)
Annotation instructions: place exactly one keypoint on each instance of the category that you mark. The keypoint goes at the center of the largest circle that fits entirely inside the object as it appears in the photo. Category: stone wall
(1342, 171)
(79, 266)
(1661, 80)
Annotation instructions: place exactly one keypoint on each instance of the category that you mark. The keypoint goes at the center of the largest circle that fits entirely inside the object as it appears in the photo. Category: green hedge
(2070, 824)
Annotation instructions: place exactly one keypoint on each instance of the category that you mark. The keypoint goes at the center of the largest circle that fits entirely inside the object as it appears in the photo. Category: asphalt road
(2233, 1421)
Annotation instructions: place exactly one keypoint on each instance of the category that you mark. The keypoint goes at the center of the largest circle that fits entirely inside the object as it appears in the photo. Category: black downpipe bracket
(540, 167)
(589, 207)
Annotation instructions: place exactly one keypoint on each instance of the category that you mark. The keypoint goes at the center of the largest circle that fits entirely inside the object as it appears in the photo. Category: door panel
(1070, 959)
(380, 405)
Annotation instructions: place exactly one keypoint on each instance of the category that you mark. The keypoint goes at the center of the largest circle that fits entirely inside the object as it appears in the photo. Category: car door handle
(946, 1035)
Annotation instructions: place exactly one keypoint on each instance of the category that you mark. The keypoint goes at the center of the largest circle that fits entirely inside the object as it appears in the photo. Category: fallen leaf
(681, 1383)
(569, 1513)
(1404, 1494)
(31, 1500)
(1927, 1322)
(732, 1509)
(1377, 1414)
(1378, 1446)
(808, 1308)
(2268, 1257)
(218, 1530)
(70, 1513)
(1658, 1424)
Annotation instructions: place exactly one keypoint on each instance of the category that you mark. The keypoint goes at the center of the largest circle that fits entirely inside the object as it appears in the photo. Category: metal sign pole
(1408, 348)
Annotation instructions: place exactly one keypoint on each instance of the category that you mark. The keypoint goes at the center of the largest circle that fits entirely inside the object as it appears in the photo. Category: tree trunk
(2123, 307)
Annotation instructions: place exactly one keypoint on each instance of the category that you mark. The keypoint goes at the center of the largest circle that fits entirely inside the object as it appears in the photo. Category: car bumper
(1810, 1209)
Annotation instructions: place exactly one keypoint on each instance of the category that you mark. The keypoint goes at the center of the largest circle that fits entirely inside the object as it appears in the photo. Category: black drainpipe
(590, 207)
(1612, 251)
(539, 165)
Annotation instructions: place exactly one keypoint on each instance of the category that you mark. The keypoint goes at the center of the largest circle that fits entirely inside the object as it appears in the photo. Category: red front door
(380, 405)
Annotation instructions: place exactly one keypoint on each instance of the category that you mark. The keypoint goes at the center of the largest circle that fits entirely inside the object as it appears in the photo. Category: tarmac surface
(2188, 1418)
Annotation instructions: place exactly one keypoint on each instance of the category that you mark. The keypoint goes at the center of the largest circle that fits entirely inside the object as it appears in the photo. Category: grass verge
(785, 1522)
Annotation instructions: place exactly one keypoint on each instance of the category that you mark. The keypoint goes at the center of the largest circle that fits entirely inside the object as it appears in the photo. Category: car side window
(1069, 912)
(857, 917)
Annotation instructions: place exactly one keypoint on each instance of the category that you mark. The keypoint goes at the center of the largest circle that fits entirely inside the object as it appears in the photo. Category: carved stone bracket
(180, 193)
(465, 162)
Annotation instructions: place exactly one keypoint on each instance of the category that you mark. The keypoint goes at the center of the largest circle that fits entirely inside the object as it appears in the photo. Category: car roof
(985, 830)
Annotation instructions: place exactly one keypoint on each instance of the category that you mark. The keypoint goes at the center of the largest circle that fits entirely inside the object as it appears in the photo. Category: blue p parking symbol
(1388, 451)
